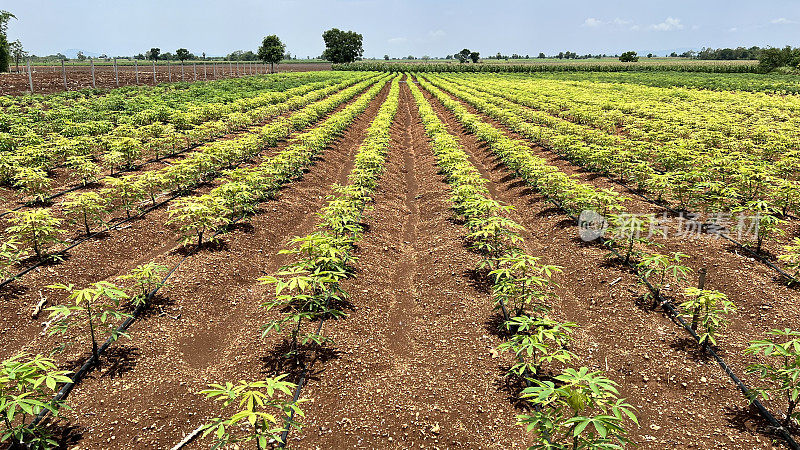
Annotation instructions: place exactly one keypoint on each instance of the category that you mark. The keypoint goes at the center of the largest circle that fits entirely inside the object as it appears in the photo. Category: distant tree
(271, 51)
(140, 57)
(772, 58)
(386, 57)
(5, 49)
(448, 57)
(182, 54)
(673, 55)
(463, 55)
(542, 55)
(5, 54)
(17, 52)
(629, 57)
(474, 56)
(649, 55)
(61, 57)
(342, 46)
(204, 56)
(153, 54)
(81, 56)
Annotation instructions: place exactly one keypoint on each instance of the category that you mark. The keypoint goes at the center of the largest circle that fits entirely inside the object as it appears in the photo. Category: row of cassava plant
(717, 182)
(705, 310)
(244, 188)
(87, 157)
(522, 291)
(657, 269)
(38, 229)
(306, 290)
(68, 127)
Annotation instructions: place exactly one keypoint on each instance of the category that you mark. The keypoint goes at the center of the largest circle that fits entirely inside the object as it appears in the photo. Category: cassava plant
(146, 277)
(96, 307)
(27, 384)
(661, 270)
(36, 228)
(706, 309)
(791, 257)
(10, 255)
(536, 341)
(579, 410)
(782, 351)
(199, 216)
(520, 282)
(125, 192)
(88, 208)
(83, 169)
(307, 289)
(258, 408)
(763, 222)
(34, 183)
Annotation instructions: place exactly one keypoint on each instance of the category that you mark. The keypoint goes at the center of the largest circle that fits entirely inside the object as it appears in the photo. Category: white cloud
(592, 22)
(669, 24)
(621, 22)
(437, 34)
(783, 21)
(733, 30)
(398, 40)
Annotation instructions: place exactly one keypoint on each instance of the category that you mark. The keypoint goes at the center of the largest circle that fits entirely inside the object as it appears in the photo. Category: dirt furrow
(413, 367)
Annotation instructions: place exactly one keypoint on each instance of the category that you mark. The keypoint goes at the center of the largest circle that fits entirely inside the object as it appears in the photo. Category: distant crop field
(437, 259)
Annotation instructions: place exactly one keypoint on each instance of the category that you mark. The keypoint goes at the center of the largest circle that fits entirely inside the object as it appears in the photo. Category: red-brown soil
(50, 79)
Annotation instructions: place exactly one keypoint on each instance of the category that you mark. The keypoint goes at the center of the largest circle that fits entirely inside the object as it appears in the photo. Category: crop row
(754, 124)
(46, 114)
(521, 288)
(743, 189)
(308, 290)
(712, 67)
(33, 378)
(37, 229)
(27, 167)
(705, 309)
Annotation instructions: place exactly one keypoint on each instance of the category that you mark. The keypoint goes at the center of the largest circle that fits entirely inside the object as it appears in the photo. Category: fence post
(30, 77)
(154, 72)
(136, 69)
(64, 73)
(94, 83)
(116, 72)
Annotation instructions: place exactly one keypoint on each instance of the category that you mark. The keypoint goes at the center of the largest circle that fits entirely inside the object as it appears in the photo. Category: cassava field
(404, 257)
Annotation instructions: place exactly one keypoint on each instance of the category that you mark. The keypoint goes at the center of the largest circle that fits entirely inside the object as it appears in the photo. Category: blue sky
(402, 27)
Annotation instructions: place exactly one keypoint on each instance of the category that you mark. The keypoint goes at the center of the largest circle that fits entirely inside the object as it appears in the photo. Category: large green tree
(153, 54)
(271, 51)
(182, 54)
(463, 55)
(5, 51)
(342, 46)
